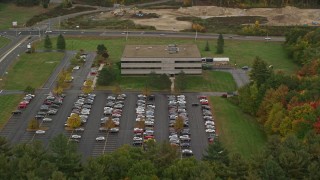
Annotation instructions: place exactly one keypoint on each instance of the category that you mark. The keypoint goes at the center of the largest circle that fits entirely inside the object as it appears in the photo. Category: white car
(210, 127)
(210, 130)
(114, 130)
(209, 123)
(75, 136)
(46, 119)
(76, 68)
(100, 138)
(137, 138)
(40, 132)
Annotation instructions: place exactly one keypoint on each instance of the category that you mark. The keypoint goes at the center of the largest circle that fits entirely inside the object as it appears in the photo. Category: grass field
(237, 131)
(8, 103)
(31, 69)
(10, 13)
(3, 41)
(240, 52)
(211, 81)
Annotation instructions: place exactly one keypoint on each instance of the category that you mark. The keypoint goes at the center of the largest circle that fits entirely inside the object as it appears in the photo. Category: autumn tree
(74, 121)
(220, 44)
(198, 27)
(178, 125)
(33, 124)
(87, 87)
(140, 124)
(109, 124)
(117, 89)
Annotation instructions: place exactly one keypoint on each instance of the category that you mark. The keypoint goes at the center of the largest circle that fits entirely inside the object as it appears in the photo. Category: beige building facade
(161, 59)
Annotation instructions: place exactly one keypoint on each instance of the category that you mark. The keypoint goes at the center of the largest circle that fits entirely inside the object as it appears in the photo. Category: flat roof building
(161, 59)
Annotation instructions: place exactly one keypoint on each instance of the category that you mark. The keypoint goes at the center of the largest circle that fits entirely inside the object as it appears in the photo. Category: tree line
(287, 158)
(286, 104)
(267, 3)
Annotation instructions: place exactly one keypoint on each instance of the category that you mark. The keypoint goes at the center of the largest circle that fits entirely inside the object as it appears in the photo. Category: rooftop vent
(172, 48)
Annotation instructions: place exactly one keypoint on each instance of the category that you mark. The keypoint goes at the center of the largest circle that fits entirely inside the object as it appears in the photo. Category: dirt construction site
(167, 17)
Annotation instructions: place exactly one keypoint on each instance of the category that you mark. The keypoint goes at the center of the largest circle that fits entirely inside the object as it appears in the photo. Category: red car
(138, 130)
(149, 137)
(23, 105)
(202, 97)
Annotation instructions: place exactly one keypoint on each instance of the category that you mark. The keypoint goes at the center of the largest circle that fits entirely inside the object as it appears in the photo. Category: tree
(107, 76)
(180, 82)
(29, 90)
(220, 44)
(61, 43)
(178, 125)
(57, 89)
(109, 124)
(101, 48)
(65, 156)
(146, 90)
(207, 48)
(87, 87)
(143, 169)
(45, 3)
(117, 89)
(67, 3)
(74, 121)
(260, 72)
(33, 124)
(47, 43)
(140, 124)
(164, 81)
(238, 167)
(217, 153)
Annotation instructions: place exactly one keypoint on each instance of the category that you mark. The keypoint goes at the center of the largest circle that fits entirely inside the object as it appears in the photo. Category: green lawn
(240, 52)
(3, 41)
(243, 53)
(8, 103)
(9, 13)
(211, 81)
(31, 69)
(237, 131)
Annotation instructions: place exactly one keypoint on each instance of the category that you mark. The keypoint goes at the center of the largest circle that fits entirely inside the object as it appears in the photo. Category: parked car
(40, 132)
(100, 138)
(16, 112)
(46, 119)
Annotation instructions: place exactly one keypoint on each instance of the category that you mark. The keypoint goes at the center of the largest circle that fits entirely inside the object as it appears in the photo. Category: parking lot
(89, 146)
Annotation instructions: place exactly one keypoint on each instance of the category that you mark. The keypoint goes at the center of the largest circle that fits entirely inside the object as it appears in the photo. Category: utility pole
(127, 34)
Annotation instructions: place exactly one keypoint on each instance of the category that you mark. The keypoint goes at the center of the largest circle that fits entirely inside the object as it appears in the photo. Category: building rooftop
(161, 51)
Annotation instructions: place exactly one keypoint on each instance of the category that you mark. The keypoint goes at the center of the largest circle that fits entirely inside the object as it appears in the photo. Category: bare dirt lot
(167, 20)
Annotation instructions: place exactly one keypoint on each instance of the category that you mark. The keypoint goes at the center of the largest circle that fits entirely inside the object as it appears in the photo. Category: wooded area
(287, 158)
(286, 104)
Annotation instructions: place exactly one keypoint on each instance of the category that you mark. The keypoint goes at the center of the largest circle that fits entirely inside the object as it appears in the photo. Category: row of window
(159, 61)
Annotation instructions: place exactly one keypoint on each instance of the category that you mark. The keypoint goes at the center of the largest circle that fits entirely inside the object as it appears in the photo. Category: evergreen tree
(47, 43)
(220, 44)
(107, 76)
(207, 48)
(101, 49)
(61, 42)
(260, 72)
